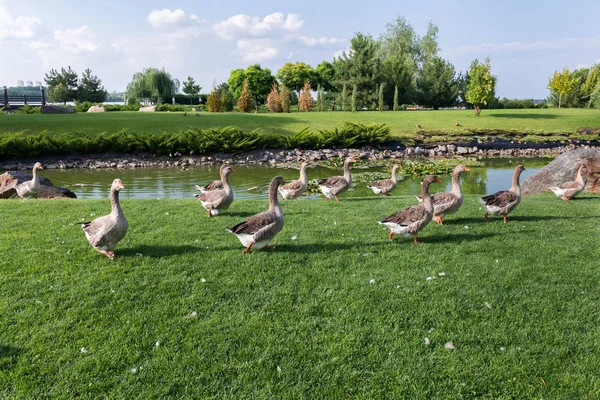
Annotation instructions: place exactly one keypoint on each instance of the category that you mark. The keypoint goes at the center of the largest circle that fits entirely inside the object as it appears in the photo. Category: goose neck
(273, 198)
(114, 202)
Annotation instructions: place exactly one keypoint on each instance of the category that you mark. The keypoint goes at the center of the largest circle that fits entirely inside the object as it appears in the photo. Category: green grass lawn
(402, 124)
(337, 311)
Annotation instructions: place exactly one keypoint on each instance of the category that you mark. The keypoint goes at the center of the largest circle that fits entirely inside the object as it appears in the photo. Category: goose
(30, 189)
(411, 220)
(104, 233)
(385, 186)
(570, 189)
(448, 202)
(258, 230)
(504, 201)
(293, 189)
(212, 185)
(216, 200)
(336, 185)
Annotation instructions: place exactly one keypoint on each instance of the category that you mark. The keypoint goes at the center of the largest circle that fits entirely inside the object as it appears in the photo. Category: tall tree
(325, 75)
(592, 82)
(295, 75)
(380, 102)
(482, 85)
(562, 83)
(354, 93)
(400, 54)
(90, 88)
(259, 80)
(360, 67)
(154, 84)
(344, 98)
(213, 102)
(395, 98)
(191, 88)
(62, 86)
(437, 85)
(274, 102)
(463, 81)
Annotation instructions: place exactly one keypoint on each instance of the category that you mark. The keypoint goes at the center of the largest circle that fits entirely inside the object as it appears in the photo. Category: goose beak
(467, 169)
(120, 185)
(438, 180)
(232, 170)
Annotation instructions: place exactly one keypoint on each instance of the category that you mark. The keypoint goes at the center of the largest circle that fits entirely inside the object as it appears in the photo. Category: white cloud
(560, 44)
(77, 40)
(257, 50)
(243, 25)
(321, 41)
(19, 27)
(37, 44)
(160, 18)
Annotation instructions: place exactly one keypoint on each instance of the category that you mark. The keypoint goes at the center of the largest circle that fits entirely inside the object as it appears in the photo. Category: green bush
(228, 139)
(27, 109)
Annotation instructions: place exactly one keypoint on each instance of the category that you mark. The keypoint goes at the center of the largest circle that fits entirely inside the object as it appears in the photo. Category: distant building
(28, 83)
(20, 83)
(37, 83)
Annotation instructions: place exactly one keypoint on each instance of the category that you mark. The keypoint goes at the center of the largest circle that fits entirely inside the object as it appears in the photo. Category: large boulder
(10, 179)
(563, 169)
(54, 109)
(148, 109)
(96, 109)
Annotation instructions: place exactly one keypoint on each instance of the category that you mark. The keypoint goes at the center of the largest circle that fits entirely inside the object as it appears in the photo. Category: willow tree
(154, 84)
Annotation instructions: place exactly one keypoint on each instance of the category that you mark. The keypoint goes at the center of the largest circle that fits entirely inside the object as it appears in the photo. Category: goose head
(117, 185)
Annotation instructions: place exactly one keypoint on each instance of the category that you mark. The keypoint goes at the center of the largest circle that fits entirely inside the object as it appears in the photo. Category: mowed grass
(402, 124)
(337, 311)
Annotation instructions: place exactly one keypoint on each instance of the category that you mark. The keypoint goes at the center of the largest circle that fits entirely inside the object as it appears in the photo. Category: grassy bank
(336, 311)
(402, 124)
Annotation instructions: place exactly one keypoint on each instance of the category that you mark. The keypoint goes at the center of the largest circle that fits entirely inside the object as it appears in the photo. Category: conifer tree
(344, 98)
(286, 100)
(354, 90)
(396, 98)
(274, 100)
(305, 102)
(381, 97)
(244, 103)
(213, 102)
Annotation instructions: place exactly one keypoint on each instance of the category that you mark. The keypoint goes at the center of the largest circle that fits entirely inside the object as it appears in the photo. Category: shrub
(28, 109)
(305, 102)
(213, 103)
(244, 103)
(286, 100)
(82, 106)
(274, 101)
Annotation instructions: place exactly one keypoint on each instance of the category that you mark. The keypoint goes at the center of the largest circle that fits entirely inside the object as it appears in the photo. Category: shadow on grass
(156, 251)
(8, 351)
(456, 237)
(525, 116)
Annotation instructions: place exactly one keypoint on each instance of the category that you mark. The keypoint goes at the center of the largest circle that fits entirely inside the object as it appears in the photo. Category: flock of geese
(104, 233)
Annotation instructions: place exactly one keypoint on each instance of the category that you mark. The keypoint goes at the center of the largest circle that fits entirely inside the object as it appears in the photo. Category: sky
(526, 40)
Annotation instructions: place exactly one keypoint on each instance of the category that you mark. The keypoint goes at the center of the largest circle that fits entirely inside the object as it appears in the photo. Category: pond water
(140, 183)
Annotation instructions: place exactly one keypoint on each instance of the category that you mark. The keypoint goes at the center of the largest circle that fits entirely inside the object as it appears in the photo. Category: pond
(140, 183)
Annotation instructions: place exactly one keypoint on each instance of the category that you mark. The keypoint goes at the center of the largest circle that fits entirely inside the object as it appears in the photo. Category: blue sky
(526, 40)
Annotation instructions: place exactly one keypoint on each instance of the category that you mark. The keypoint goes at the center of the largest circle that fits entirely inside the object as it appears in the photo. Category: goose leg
(209, 214)
(415, 240)
(391, 235)
(505, 219)
(247, 249)
(438, 219)
(108, 254)
(326, 198)
(485, 215)
(336, 199)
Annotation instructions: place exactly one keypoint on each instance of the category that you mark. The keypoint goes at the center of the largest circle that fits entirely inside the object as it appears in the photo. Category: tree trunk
(559, 99)
(477, 110)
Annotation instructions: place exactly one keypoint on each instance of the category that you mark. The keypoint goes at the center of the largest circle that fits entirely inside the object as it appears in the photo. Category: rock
(461, 150)
(54, 109)
(96, 109)
(47, 191)
(148, 109)
(563, 169)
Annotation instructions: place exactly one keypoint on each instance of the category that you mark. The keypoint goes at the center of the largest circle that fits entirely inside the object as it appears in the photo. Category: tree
(482, 85)
(226, 100)
(325, 76)
(462, 83)
(395, 98)
(592, 82)
(191, 88)
(259, 80)
(353, 104)
(319, 99)
(285, 99)
(90, 88)
(67, 80)
(562, 83)
(305, 101)
(295, 75)
(344, 98)
(274, 102)
(154, 84)
(244, 102)
(380, 103)
(360, 67)
(437, 85)
(213, 102)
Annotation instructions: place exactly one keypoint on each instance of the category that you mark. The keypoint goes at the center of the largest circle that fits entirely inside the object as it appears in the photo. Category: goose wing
(444, 200)
(383, 184)
(258, 225)
(408, 216)
(332, 182)
(293, 185)
(499, 199)
(213, 185)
